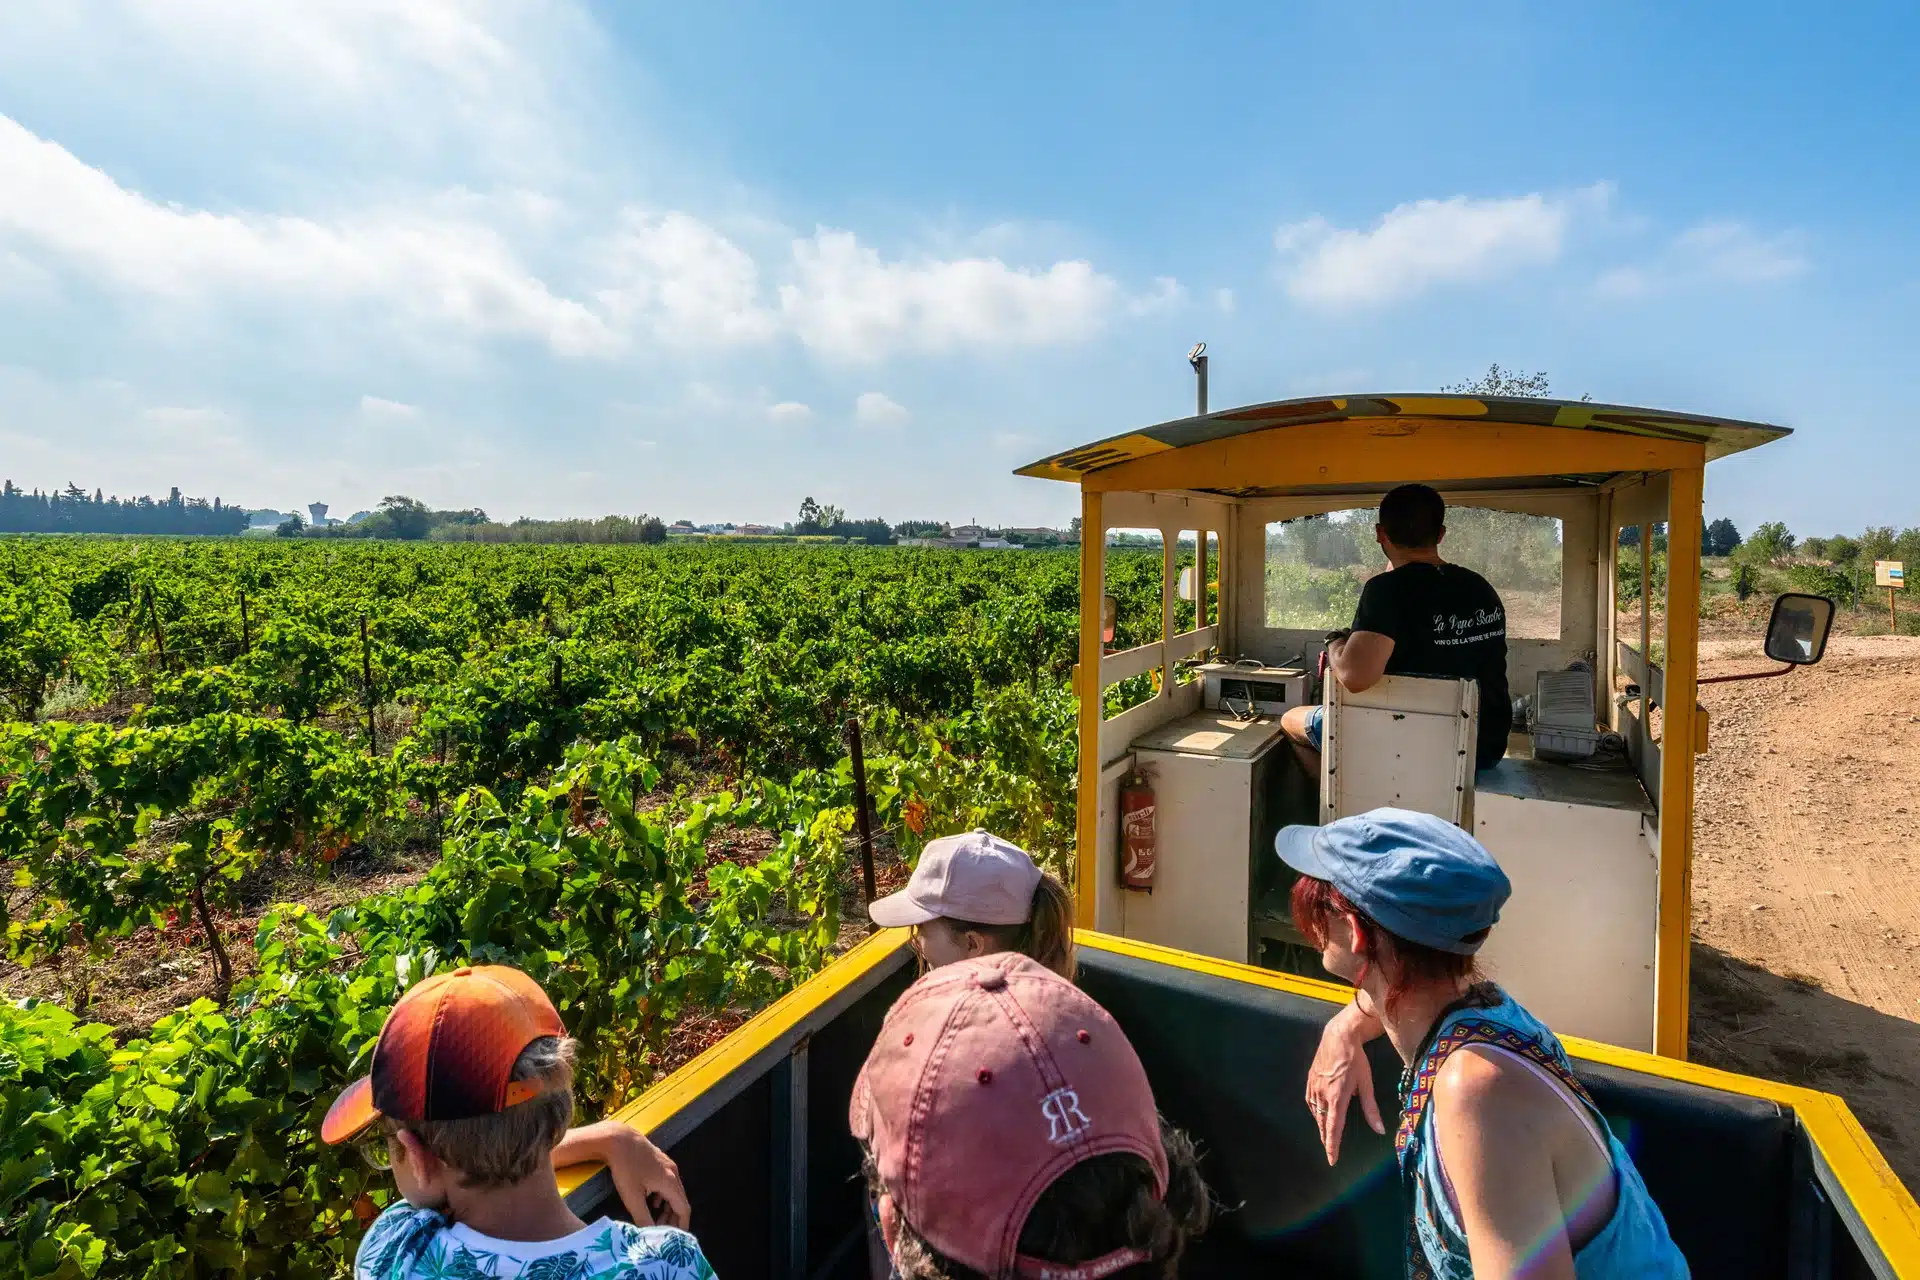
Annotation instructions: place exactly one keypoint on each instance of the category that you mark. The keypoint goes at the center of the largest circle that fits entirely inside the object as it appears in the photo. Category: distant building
(317, 514)
(995, 544)
(760, 530)
(682, 526)
(967, 533)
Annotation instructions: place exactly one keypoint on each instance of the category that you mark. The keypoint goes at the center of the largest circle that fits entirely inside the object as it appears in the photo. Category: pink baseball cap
(990, 1079)
(976, 877)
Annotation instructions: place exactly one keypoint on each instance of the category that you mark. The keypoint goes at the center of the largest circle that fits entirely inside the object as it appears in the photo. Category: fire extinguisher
(1138, 850)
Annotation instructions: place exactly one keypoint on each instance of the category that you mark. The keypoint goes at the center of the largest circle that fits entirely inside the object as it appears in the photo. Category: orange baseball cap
(447, 1051)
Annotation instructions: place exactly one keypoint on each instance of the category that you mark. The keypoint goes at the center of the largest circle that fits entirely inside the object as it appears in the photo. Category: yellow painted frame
(1390, 451)
(1087, 687)
(664, 1099)
(1874, 1193)
(1673, 944)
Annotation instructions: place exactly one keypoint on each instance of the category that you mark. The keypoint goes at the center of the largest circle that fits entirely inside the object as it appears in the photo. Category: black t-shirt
(1445, 620)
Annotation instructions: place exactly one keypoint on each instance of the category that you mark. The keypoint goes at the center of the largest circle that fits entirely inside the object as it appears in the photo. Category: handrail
(1126, 664)
(1188, 643)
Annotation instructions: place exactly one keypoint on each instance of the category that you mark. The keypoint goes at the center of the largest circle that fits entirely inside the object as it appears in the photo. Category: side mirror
(1185, 588)
(1109, 610)
(1797, 631)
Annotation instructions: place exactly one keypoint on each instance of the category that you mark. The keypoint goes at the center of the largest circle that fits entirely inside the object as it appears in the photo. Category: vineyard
(620, 768)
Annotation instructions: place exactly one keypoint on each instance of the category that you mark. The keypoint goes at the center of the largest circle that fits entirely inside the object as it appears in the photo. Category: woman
(975, 894)
(1510, 1169)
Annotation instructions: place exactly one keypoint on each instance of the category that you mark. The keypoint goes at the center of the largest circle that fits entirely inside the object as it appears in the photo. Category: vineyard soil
(1807, 880)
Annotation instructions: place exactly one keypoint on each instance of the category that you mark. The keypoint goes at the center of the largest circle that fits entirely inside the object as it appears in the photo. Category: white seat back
(1407, 742)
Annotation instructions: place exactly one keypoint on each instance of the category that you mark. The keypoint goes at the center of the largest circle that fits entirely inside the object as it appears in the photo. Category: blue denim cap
(1415, 875)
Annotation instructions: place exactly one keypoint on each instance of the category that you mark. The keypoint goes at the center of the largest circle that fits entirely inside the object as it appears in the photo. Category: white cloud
(408, 265)
(789, 412)
(1624, 282)
(425, 73)
(847, 302)
(169, 415)
(453, 262)
(684, 281)
(1165, 293)
(876, 409)
(1422, 244)
(378, 408)
(1734, 252)
(1708, 254)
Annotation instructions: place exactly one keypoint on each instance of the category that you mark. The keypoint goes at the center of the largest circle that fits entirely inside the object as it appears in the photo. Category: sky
(558, 258)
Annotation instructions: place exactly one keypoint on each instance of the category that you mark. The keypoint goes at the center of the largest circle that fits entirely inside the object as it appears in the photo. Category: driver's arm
(1360, 660)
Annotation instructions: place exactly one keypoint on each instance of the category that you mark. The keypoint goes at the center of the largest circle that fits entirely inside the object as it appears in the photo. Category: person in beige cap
(976, 894)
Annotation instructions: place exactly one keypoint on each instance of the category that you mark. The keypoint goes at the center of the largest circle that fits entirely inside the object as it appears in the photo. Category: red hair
(1406, 964)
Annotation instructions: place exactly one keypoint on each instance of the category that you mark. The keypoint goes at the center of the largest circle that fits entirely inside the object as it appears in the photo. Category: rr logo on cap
(1065, 1120)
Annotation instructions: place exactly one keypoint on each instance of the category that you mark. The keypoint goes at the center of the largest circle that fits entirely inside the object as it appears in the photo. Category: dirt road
(1807, 880)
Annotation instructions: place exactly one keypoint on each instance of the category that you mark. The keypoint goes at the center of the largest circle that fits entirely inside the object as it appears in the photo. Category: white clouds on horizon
(1425, 243)
(425, 78)
(411, 265)
(1714, 252)
(877, 409)
(789, 412)
(670, 279)
(379, 408)
(848, 303)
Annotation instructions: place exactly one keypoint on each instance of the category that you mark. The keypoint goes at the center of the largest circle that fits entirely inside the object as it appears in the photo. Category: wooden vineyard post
(863, 823)
(1893, 614)
(159, 636)
(366, 677)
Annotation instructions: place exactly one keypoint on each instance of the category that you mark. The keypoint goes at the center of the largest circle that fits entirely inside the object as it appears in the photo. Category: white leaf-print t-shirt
(405, 1243)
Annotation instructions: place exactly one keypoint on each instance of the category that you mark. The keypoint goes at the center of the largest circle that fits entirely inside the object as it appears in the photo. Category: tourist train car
(1185, 936)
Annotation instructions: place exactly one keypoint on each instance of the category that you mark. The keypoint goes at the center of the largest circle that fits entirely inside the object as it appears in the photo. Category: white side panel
(1575, 942)
(1202, 810)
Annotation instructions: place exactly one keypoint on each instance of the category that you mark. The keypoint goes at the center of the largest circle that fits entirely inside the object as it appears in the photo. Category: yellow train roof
(1720, 436)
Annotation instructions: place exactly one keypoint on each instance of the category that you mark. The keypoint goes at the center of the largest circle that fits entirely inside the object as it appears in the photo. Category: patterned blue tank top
(1634, 1242)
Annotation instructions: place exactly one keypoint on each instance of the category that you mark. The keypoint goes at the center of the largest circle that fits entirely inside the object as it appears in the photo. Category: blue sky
(559, 258)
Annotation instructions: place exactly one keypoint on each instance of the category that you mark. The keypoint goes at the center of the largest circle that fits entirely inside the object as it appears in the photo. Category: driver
(1423, 617)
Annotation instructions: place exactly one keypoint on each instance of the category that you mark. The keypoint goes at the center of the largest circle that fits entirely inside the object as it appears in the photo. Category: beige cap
(976, 877)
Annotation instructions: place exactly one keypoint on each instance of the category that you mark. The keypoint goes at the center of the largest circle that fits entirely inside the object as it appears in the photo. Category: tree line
(410, 520)
(71, 510)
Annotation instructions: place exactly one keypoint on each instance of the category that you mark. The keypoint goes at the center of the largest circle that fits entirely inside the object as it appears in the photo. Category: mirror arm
(1746, 675)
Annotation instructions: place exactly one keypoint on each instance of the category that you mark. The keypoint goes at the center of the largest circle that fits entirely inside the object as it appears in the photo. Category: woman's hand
(647, 1181)
(1340, 1072)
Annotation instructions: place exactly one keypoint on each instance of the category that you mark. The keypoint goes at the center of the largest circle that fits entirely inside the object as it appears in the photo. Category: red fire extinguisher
(1138, 851)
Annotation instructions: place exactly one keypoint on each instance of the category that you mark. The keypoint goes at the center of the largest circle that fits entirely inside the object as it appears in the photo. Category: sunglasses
(374, 1149)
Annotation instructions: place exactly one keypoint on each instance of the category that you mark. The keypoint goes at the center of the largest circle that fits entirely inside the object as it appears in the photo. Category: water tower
(318, 513)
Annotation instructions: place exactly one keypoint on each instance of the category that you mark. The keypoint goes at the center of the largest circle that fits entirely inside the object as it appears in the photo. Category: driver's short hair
(1413, 516)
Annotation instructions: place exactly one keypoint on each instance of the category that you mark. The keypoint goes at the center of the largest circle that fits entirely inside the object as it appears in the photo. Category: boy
(1009, 1131)
(468, 1103)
